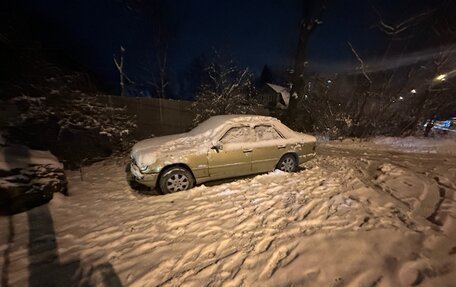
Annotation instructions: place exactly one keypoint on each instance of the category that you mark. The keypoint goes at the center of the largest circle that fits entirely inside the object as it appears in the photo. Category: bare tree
(404, 25)
(311, 18)
(120, 68)
(224, 89)
(163, 34)
(412, 82)
(431, 26)
(161, 37)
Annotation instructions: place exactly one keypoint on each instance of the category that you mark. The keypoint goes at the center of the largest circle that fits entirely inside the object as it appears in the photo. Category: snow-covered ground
(357, 216)
(436, 144)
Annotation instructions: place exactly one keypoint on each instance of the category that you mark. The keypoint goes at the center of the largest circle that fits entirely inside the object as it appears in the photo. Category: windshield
(206, 126)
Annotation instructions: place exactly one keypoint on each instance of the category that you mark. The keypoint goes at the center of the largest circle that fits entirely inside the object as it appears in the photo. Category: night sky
(255, 33)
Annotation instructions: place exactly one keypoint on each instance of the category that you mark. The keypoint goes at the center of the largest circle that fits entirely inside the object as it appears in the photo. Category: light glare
(441, 77)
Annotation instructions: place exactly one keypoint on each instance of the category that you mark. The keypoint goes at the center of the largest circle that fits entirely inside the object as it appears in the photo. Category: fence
(159, 116)
(156, 116)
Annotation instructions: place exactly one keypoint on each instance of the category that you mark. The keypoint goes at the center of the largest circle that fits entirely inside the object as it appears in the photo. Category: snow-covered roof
(283, 91)
(276, 88)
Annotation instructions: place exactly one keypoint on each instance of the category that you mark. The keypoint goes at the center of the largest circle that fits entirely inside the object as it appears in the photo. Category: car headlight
(143, 168)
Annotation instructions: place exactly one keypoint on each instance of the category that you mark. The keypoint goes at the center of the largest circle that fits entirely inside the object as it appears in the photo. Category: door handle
(247, 150)
(281, 146)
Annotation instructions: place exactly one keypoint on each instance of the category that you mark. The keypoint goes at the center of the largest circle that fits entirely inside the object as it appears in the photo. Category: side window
(265, 133)
(236, 135)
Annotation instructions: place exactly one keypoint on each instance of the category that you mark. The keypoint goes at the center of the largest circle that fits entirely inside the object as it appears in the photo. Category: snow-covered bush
(74, 126)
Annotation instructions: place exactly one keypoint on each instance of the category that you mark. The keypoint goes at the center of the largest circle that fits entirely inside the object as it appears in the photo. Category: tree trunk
(119, 67)
(308, 23)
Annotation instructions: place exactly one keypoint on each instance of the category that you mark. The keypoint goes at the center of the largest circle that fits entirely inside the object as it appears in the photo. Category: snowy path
(352, 218)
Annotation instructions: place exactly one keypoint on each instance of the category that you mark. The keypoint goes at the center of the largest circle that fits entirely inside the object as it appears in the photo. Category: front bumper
(148, 179)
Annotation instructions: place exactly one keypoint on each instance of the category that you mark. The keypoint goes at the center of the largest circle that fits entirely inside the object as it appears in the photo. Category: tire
(287, 163)
(176, 179)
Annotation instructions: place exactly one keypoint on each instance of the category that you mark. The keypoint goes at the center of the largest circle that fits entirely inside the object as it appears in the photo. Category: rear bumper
(306, 157)
(148, 179)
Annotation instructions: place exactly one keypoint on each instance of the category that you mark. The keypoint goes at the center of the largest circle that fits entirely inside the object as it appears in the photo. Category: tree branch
(361, 63)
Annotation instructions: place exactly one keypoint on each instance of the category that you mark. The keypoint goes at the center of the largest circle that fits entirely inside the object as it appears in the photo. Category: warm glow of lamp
(440, 78)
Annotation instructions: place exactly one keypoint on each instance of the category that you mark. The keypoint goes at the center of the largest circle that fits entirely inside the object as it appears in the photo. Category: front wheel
(288, 163)
(176, 179)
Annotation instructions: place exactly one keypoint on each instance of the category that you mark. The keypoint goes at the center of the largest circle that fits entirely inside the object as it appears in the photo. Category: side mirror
(218, 146)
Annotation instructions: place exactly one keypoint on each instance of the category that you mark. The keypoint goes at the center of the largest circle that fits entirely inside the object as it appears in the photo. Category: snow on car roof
(216, 121)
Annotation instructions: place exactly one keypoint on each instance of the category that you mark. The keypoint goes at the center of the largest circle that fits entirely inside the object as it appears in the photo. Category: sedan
(226, 146)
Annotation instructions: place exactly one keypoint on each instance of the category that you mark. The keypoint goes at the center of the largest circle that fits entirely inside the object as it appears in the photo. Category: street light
(441, 77)
(413, 91)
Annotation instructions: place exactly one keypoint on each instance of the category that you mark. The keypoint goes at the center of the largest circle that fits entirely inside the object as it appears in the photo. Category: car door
(233, 158)
(269, 146)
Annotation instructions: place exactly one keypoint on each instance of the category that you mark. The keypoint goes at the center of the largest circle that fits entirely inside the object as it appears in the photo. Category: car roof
(240, 118)
(218, 121)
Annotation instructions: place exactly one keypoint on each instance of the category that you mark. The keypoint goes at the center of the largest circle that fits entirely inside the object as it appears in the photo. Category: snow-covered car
(222, 147)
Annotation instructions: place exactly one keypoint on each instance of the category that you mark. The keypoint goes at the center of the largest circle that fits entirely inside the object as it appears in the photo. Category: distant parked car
(445, 126)
(222, 147)
(440, 127)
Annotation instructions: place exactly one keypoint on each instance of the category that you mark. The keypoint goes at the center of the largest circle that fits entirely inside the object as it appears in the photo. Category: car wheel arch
(293, 154)
(174, 165)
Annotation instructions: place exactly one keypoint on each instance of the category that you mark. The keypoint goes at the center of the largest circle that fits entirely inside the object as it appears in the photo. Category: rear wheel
(176, 179)
(288, 163)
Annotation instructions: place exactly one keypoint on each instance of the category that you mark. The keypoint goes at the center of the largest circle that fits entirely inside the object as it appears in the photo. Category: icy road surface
(353, 217)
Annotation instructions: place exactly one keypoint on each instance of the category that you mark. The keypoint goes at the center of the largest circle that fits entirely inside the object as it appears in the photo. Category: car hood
(146, 152)
(153, 143)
